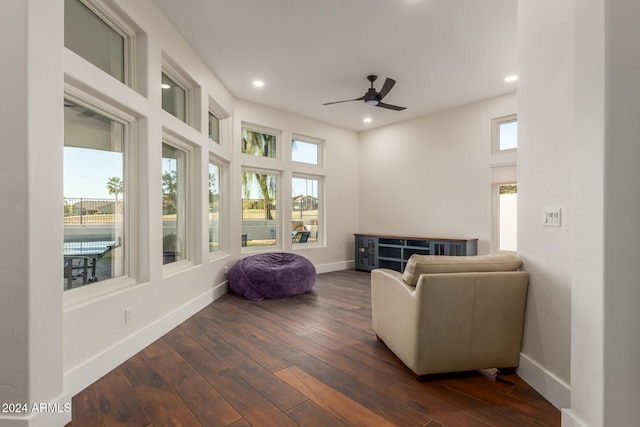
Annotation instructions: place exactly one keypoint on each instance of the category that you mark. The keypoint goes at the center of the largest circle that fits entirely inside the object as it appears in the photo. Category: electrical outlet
(339, 254)
(127, 315)
(226, 270)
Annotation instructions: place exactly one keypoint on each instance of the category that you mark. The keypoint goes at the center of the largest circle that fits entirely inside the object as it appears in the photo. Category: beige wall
(430, 176)
(55, 344)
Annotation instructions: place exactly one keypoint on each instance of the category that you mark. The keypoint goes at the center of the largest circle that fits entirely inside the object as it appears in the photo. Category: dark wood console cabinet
(393, 252)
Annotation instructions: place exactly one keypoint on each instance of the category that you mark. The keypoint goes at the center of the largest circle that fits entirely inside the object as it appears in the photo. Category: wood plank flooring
(310, 360)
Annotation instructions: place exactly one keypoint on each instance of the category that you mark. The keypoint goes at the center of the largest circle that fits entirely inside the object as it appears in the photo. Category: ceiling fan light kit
(372, 97)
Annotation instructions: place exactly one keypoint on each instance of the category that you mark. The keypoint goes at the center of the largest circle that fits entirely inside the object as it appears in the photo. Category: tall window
(259, 225)
(174, 98)
(258, 143)
(508, 217)
(88, 35)
(95, 184)
(175, 204)
(504, 195)
(214, 207)
(504, 134)
(305, 207)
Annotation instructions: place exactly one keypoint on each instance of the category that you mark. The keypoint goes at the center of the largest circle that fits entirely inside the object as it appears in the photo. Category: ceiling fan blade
(386, 87)
(347, 100)
(390, 107)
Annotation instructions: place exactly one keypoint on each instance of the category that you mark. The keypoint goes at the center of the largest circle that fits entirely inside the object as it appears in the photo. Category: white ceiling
(442, 53)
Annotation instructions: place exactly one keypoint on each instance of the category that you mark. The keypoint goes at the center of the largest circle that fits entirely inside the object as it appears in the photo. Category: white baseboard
(85, 374)
(544, 382)
(570, 419)
(335, 266)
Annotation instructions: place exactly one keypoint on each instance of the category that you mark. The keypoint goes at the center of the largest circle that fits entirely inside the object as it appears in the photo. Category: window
(259, 225)
(505, 134)
(214, 128)
(95, 195)
(305, 208)
(214, 207)
(504, 193)
(258, 143)
(175, 203)
(96, 39)
(174, 98)
(305, 152)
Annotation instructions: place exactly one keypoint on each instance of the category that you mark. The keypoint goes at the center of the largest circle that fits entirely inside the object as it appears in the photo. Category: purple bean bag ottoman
(272, 275)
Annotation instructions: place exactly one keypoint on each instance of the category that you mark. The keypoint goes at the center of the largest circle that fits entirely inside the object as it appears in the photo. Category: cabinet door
(365, 255)
(449, 248)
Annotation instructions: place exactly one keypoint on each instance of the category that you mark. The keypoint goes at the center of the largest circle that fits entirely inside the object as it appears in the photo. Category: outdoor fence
(92, 211)
(254, 209)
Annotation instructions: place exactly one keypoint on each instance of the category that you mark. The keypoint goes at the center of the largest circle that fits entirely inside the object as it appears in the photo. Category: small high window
(259, 143)
(95, 39)
(504, 134)
(214, 128)
(306, 151)
(174, 98)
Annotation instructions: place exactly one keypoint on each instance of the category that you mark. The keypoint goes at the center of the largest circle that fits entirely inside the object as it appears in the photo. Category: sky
(87, 171)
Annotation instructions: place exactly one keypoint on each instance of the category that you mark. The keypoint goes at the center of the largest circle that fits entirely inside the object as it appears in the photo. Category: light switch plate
(551, 217)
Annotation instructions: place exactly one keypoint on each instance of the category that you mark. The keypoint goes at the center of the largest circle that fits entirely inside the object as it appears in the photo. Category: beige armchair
(450, 314)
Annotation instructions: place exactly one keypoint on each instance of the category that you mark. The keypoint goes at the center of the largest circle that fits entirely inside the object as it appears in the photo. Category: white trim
(335, 266)
(544, 382)
(189, 203)
(81, 376)
(570, 419)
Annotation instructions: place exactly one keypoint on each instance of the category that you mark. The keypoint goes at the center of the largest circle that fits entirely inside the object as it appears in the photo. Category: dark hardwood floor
(310, 360)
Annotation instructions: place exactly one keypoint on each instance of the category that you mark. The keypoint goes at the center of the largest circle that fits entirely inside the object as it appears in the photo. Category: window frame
(268, 131)
(213, 160)
(189, 205)
(117, 24)
(183, 81)
(501, 174)
(319, 143)
(278, 204)
(495, 134)
(321, 217)
(130, 179)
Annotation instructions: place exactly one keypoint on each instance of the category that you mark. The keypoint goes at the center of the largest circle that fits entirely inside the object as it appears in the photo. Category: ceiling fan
(372, 97)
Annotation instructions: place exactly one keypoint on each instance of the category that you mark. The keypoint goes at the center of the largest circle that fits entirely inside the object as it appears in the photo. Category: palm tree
(115, 186)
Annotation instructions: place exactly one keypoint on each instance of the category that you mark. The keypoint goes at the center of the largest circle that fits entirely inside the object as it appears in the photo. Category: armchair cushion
(422, 264)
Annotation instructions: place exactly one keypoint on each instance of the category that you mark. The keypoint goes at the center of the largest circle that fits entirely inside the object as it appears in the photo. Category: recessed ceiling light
(511, 78)
(165, 86)
(258, 83)
(367, 120)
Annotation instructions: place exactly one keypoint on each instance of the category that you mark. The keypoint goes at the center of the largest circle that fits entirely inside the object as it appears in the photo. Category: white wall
(54, 345)
(430, 176)
(622, 213)
(30, 126)
(579, 97)
(545, 120)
